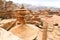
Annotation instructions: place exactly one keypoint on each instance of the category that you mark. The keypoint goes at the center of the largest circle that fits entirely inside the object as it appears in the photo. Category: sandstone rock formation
(5, 35)
(26, 32)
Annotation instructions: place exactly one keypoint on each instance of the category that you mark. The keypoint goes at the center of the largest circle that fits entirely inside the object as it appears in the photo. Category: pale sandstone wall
(5, 35)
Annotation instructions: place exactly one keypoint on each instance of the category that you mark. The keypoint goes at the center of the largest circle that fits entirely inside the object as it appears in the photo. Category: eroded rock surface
(5, 35)
(26, 32)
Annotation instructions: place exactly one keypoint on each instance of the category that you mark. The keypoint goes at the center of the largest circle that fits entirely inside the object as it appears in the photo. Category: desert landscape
(27, 22)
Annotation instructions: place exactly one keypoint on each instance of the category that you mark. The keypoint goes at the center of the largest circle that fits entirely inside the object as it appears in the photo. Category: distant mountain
(33, 7)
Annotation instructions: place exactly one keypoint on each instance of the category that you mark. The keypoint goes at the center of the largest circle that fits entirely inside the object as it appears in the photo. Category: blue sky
(49, 3)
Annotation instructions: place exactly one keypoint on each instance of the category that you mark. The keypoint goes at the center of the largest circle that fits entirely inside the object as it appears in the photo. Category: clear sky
(49, 3)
